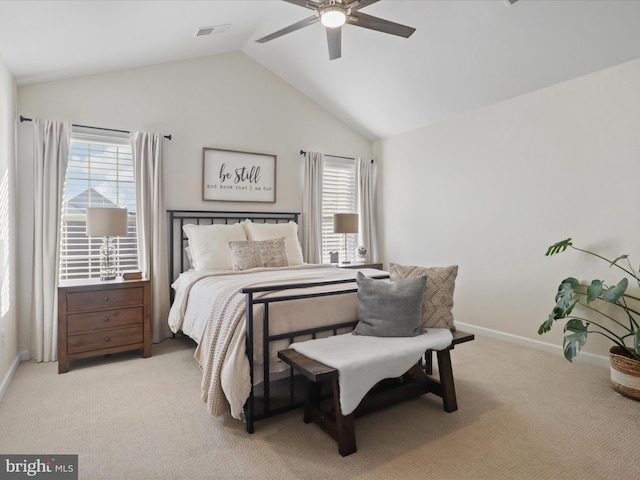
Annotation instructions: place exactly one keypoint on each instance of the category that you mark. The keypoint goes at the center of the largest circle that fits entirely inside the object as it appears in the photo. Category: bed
(242, 310)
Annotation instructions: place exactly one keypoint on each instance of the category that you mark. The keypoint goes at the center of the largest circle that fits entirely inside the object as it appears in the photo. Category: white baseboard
(9, 376)
(527, 342)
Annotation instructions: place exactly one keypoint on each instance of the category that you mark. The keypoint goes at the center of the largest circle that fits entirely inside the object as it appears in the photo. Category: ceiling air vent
(202, 31)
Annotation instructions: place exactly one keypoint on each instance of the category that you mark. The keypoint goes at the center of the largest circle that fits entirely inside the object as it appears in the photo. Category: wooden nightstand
(357, 265)
(97, 317)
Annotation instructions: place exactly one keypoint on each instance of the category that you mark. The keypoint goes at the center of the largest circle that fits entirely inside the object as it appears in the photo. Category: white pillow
(269, 231)
(209, 244)
(187, 251)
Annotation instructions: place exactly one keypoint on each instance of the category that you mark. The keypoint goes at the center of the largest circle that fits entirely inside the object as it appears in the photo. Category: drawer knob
(106, 339)
(106, 319)
(106, 298)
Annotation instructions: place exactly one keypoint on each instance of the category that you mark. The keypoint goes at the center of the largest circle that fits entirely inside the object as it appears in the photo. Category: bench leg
(428, 358)
(312, 400)
(345, 428)
(446, 381)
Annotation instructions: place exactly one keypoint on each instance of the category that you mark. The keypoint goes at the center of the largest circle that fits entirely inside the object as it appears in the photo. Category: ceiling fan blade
(363, 20)
(310, 4)
(358, 4)
(334, 40)
(291, 28)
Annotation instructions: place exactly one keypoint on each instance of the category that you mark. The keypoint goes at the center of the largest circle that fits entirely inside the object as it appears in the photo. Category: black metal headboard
(178, 240)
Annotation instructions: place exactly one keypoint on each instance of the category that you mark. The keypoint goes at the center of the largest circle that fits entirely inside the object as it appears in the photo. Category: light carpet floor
(523, 414)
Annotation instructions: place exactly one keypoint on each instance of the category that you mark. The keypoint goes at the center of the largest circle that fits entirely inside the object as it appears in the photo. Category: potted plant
(607, 310)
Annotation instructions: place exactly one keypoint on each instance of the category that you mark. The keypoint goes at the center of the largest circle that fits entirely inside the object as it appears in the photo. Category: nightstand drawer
(84, 322)
(105, 339)
(94, 300)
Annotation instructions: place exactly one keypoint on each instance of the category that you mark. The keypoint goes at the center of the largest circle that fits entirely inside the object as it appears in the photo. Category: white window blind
(338, 196)
(99, 174)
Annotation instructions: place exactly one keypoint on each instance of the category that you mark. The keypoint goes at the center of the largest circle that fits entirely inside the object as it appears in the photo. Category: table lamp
(345, 223)
(107, 222)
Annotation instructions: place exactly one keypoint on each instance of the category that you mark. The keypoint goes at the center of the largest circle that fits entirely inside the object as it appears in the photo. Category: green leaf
(564, 297)
(574, 340)
(559, 313)
(621, 257)
(594, 290)
(558, 247)
(636, 342)
(613, 294)
(546, 326)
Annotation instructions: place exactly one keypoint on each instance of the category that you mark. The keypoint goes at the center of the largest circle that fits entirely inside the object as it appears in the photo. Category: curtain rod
(25, 119)
(302, 152)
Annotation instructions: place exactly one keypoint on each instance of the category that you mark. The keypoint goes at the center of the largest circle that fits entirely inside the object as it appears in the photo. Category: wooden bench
(414, 383)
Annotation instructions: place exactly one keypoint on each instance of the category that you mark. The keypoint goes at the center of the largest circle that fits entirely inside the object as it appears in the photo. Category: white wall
(8, 305)
(226, 101)
(492, 189)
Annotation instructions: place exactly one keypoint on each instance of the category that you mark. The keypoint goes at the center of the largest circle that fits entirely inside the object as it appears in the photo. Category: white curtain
(312, 207)
(51, 154)
(365, 171)
(151, 225)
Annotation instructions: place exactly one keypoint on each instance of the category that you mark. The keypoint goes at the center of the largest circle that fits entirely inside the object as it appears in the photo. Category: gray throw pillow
(389, 309)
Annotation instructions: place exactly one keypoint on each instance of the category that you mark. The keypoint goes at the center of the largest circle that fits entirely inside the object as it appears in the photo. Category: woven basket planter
(625, 373)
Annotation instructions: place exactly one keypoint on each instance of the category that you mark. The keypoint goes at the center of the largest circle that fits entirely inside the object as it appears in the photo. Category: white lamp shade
(106, 222)
(345, 223)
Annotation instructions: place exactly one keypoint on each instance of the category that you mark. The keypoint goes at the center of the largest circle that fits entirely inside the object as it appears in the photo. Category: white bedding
(204, 298)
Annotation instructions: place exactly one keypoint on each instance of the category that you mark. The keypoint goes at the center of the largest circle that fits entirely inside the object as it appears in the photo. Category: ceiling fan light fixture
(333, 16)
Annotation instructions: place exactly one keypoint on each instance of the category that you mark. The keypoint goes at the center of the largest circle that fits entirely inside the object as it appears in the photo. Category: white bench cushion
(363, 361)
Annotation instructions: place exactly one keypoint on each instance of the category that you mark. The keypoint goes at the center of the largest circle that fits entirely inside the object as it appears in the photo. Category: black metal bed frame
(178, 240)
(267, 398)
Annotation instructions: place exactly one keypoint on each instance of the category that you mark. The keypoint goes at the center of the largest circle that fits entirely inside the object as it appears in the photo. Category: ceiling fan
(335, 13)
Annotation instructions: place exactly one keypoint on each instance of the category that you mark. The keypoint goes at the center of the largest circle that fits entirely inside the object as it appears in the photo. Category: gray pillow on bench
(389, 309)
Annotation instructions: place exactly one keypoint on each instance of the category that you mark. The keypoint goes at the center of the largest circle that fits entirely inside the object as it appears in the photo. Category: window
(99, 174)
(338, 196)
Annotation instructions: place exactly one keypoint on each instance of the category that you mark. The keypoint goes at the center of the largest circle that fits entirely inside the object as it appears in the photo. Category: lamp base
(346, 258)
(108, 270)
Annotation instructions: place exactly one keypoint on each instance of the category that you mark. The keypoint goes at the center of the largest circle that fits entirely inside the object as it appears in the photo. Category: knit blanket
(228, 309)
(221, 351)
(363, 361)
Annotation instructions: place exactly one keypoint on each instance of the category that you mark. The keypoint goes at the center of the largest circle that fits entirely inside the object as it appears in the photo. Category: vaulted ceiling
(465, 54)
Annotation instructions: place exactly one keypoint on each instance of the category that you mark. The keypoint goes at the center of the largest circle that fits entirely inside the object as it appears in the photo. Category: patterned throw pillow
(437, 302)
(260, 253)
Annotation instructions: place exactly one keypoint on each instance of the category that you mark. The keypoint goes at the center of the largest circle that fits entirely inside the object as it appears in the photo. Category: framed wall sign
(232, 176)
